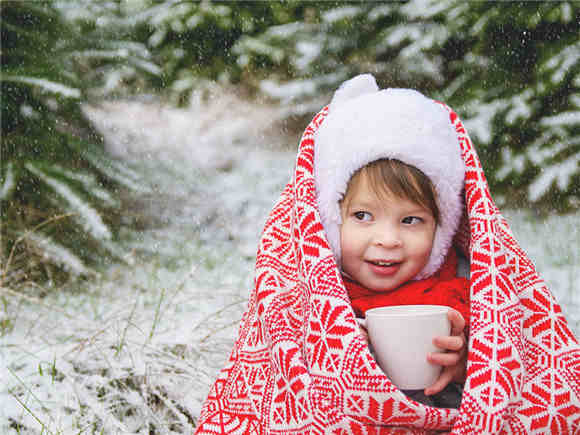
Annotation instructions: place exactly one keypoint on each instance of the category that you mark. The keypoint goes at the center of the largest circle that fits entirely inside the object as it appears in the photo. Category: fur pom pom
(355, 87)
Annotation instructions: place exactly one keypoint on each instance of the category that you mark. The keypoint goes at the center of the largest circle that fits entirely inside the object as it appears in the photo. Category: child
(381, 182)
(385, 241)
(394, 223)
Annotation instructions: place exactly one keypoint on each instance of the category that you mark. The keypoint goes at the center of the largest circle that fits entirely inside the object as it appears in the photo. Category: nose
(387, 236)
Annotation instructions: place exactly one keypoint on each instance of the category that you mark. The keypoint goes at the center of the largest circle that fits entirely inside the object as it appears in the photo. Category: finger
(444, 359)
(361, 323)
(457, 321)
(364, 333)
(440, 383)
(453, 343)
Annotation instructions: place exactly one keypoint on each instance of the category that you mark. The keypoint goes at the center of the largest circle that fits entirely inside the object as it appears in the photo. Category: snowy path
(137, 351)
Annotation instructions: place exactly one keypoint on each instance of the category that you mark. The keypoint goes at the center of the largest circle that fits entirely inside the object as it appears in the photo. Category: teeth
(382, 263)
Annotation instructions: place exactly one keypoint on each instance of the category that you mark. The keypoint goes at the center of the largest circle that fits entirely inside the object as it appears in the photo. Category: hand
(363, 331)
(454, 360)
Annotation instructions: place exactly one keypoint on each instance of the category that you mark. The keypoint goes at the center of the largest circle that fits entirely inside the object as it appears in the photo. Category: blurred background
(510, 70)
(127, 125)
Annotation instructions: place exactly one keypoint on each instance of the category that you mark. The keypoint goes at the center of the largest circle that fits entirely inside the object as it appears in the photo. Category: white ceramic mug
(402, 336)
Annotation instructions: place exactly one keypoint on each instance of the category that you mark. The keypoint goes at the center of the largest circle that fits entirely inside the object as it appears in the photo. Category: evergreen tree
(56, 183)
(110, 50)
(510, 69)
(336, 40)
(194, 42)
(514, 70)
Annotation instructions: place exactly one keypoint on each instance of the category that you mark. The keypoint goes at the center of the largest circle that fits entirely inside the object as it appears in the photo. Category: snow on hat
(365, 124)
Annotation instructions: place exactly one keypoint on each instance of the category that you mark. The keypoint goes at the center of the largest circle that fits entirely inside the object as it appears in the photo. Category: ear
(357, 86)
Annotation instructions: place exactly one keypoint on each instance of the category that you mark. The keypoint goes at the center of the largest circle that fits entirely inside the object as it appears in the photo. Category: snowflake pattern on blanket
(300, 365)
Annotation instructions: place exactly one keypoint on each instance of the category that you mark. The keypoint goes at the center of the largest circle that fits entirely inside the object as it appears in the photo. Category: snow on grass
(137, 350)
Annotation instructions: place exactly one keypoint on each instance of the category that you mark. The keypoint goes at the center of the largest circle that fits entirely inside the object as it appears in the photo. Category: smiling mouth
(384, 263)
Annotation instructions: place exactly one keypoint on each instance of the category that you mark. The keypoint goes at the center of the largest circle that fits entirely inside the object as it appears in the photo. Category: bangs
(392, 177)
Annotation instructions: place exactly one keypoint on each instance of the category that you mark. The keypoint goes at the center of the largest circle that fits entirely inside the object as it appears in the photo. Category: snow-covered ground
(136, 351)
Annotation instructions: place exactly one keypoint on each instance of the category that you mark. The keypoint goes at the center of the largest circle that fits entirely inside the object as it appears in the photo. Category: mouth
(382, 263)
(384, 268)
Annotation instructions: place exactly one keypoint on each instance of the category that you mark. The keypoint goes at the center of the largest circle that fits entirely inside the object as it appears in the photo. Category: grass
(90, 363)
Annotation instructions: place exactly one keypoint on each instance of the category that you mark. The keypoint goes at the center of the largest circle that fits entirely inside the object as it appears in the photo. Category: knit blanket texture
(300, 364)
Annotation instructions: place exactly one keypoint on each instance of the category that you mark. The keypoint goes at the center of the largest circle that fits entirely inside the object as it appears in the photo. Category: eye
(363, 216)
(412, 220)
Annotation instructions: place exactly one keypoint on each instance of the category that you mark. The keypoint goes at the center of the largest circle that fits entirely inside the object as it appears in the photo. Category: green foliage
(518, 81)
(110, 51)
(315, 54)
(57, 186)
(194, 41)
(510, 69)
(168, 45)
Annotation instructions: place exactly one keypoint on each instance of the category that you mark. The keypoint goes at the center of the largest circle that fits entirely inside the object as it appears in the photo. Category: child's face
(384, 242)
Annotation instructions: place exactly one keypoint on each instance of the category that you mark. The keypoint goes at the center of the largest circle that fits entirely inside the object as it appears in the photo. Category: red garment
(443, 288)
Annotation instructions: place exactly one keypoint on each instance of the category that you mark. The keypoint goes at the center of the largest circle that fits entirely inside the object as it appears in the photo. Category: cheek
(349, 240)
(423, 244)
(344, 239)
(428, 244)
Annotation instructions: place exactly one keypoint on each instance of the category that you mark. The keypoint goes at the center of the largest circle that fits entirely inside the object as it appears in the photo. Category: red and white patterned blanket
(300, 365)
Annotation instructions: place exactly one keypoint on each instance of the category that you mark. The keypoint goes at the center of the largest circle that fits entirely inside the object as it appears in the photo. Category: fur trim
(364, 125)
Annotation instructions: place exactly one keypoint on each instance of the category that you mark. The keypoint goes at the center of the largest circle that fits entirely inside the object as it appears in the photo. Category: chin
(378, 288)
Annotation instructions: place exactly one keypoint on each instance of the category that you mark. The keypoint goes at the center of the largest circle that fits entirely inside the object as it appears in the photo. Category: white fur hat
(365, 124)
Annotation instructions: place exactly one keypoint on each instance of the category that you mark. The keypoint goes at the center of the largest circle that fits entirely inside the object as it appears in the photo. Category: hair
(393, 177)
